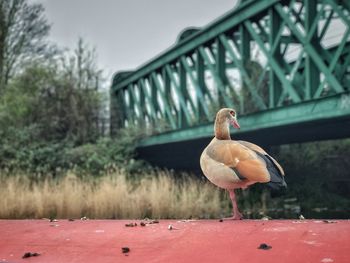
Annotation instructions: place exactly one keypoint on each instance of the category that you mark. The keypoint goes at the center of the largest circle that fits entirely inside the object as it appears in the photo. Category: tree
(62, 98)
(80, 66)
(23, 32)
(84, 79)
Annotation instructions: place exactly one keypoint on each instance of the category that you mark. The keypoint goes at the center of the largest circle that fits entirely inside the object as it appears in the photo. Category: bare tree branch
(23, 33)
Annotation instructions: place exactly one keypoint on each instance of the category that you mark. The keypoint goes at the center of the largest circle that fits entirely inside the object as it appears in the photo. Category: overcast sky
(127, 33)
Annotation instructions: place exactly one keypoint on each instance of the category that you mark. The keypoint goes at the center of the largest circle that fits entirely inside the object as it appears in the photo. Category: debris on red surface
(29, 254)
(264, 246)
(125, 249)
(131, 224)
(194, 241)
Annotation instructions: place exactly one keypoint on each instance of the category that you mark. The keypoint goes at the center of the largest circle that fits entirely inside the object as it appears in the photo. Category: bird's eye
(232, 113)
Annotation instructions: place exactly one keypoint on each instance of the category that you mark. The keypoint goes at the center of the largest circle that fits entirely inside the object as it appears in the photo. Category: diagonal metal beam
(152, 113)
(275, 66)
(127, 108)
(260, 103)
(143, 102)
(167, 91)
(199, 93)
(311, 29)
(339, 11)
(309, 49)
(345, 66)
(220, 86)
(312, 74)
(135, 100)
(326, 24)
(181, 72)
(177, 88)
(278, 37)
(164, 100)
(334, 61)
(279, 58)
(200, 73)
(131, 108)
(221, 68)
(275, 87)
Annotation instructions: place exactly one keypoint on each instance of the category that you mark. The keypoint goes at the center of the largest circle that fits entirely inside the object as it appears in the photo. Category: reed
(114, 195)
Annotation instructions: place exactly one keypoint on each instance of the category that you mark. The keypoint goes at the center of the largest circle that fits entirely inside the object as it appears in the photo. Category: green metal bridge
(283, 65)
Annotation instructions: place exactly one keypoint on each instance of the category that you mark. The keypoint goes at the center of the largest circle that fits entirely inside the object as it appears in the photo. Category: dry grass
(156, 195)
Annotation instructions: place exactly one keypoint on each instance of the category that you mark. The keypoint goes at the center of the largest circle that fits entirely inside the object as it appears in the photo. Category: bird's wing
(239, 157)
(257, 148)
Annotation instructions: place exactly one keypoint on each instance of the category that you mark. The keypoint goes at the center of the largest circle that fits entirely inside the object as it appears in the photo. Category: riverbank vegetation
(113, 196)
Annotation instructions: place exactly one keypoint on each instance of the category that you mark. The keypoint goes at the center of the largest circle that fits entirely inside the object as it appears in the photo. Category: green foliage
(21, 103)
(317, 175)
(50, 104)
(21, 150)
(106, 154)
(53, 97)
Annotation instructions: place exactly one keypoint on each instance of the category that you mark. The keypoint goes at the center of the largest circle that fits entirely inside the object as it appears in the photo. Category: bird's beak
(234, 123)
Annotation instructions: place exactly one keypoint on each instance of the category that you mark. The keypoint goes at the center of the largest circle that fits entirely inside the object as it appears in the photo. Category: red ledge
(168, 241)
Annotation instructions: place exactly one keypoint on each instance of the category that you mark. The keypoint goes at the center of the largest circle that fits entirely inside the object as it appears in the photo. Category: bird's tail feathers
(277, 182)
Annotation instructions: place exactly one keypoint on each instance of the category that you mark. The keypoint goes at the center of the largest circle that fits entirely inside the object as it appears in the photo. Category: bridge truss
(290, 57)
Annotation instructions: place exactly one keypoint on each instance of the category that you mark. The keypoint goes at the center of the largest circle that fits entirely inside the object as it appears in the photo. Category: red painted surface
(191, 241)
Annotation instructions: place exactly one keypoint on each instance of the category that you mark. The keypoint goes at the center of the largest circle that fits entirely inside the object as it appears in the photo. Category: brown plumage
(232, 164)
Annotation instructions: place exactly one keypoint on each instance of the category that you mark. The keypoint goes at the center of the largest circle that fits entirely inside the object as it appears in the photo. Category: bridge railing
(261, 55)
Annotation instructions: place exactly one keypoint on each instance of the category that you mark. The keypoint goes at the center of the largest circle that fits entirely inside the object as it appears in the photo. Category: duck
(234, 164)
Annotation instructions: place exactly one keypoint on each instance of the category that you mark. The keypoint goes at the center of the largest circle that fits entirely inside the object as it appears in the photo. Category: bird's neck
(222, 129)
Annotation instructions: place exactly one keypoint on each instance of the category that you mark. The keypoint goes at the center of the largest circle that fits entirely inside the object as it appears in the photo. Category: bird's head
(228, 115)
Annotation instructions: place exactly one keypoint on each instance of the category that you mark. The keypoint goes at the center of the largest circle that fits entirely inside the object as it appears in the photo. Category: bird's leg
(236, 214)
